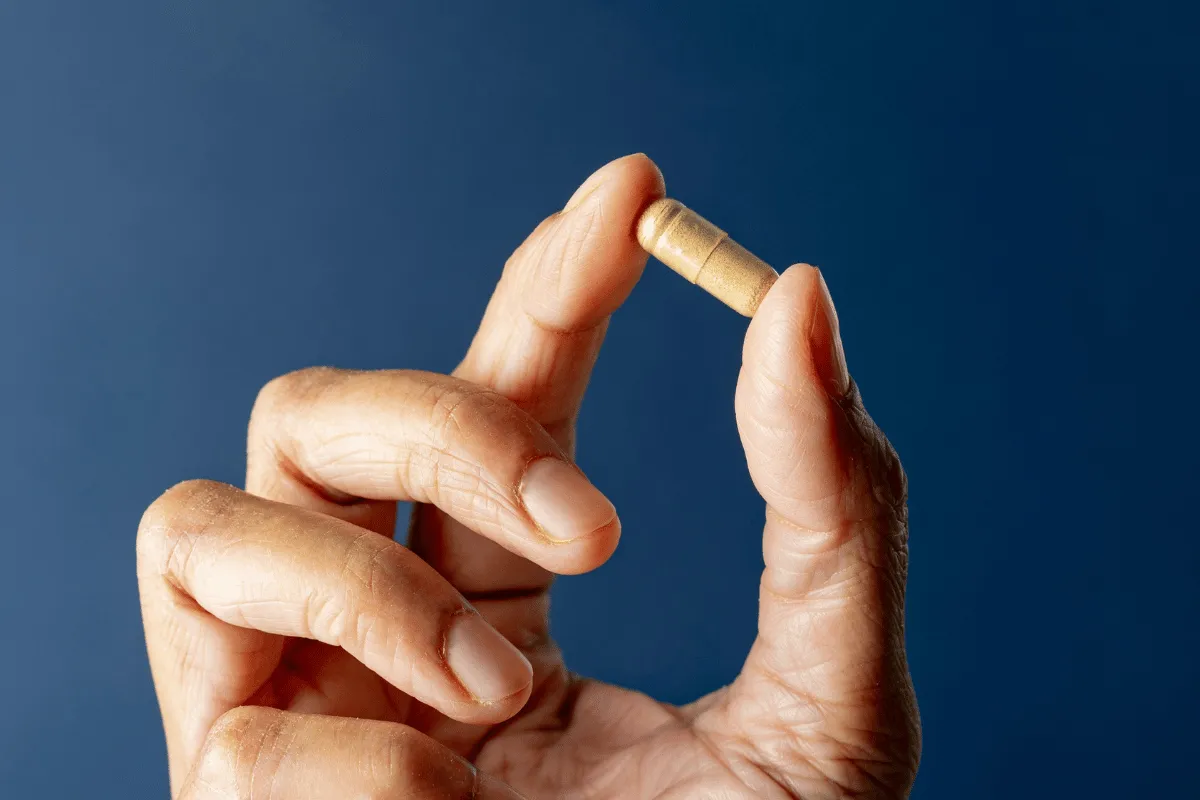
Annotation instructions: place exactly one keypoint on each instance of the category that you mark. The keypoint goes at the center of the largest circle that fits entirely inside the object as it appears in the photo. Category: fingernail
(563, 503)
(486, 663)
(826, 343)
(492, 789)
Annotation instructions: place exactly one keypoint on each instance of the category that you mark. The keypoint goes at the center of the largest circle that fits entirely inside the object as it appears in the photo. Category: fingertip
(795, 336)
(577, 556)
(646, 175)
(585, 553)
(590, 260)
(777, 339)
(635, 173)
(480, 712)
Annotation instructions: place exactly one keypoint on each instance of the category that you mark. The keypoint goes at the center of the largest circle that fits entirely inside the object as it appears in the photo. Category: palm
(576, 738)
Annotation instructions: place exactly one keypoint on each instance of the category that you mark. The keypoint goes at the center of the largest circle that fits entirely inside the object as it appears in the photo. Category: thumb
(831, 612)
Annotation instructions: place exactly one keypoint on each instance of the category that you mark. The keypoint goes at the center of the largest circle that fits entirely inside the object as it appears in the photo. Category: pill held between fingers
(705, 255)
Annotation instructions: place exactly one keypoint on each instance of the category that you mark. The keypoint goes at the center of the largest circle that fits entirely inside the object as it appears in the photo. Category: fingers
(832, 595)
(540, 336)
(256, 564)
(260, 754)
(336, 436)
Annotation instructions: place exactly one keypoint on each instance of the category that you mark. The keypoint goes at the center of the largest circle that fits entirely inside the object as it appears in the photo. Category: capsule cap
(704, 255)
(655, 220)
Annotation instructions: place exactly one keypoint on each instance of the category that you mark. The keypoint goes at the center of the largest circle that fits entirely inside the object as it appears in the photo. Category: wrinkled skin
(297, 652)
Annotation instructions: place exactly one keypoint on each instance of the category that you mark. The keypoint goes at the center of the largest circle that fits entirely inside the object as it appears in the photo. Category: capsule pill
(705, 255)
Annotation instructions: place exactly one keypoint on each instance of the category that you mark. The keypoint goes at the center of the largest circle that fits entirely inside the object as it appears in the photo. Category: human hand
(299, 652)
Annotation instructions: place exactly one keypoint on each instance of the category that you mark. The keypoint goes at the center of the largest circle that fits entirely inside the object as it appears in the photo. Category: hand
(299, 652)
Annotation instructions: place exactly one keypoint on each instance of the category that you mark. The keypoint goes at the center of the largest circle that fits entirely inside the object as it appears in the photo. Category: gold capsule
(705, 255)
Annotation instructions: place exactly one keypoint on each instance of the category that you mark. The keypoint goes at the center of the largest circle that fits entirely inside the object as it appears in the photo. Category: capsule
(705, 255)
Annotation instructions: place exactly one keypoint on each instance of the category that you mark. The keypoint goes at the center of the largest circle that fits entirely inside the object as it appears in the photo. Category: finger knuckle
(180, 515)
(370, 575)
(374, 569)
(403, 760)
(444, 470)
(232, 727)
(465, 407)
(378, 576)
(232, 753)
(393, 760)
(289, 391)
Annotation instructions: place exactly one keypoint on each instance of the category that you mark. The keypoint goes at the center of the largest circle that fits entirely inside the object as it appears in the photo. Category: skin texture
(298, 652)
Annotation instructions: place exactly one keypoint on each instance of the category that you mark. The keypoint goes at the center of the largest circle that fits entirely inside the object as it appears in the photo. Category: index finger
(539, 339)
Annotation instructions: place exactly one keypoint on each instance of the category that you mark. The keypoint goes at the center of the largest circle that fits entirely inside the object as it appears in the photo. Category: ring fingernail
(486, 663)
(562, 502)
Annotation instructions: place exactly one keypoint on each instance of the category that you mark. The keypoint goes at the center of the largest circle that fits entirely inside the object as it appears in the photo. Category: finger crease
(289, 468)
(569, 330)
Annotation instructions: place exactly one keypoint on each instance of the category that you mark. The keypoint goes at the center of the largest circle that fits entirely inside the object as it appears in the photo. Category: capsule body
(705, 255)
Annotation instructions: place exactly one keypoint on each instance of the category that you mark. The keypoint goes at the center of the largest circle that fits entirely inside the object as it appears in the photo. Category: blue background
(198, 196)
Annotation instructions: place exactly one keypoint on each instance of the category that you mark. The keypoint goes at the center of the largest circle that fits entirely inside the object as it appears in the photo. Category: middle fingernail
(486, 663)
(563, 503)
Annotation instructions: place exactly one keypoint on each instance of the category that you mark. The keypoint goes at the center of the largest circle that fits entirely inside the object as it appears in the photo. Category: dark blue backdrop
(195, 197)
